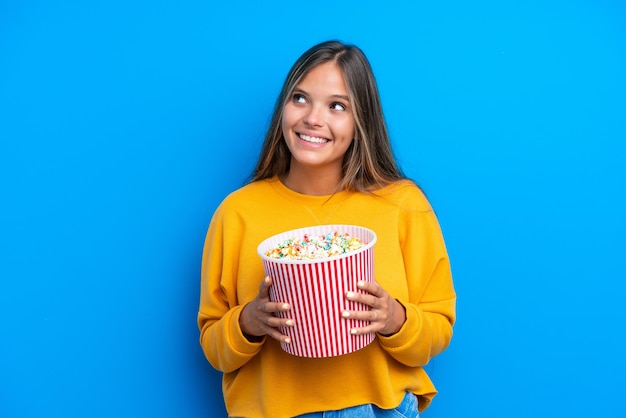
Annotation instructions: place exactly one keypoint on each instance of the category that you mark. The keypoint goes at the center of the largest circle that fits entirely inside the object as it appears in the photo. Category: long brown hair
(369, 162)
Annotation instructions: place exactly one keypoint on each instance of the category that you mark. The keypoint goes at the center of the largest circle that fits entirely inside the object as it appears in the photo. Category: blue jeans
(406, 409)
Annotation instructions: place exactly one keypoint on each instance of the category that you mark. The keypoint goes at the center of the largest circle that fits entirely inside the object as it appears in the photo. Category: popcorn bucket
(315, 289)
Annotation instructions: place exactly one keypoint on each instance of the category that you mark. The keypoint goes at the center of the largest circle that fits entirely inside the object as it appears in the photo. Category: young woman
(327, 159)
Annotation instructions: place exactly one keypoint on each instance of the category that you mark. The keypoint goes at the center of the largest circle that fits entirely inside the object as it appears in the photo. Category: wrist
(253, 338)
(399, 315)
(244, 331)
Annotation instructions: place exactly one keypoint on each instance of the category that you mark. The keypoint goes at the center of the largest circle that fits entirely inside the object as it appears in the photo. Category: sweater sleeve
(221, 338)
(431, 306)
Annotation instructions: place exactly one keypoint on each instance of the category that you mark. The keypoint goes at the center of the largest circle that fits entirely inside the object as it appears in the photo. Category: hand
(257, 317)
(386, 315)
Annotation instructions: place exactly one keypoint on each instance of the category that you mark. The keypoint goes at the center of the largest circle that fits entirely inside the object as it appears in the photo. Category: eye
(298, 98)
(337, 106)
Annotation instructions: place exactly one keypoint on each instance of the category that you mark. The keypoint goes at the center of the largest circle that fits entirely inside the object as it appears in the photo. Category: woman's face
(317, 122)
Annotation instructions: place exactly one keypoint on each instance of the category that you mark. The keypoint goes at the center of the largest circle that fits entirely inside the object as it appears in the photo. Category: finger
(368, 329)
(371, 287)
(372, 315)
(273, 307)
(275, 334)
(264, 287)
(272, 328)
(275, 322)
(364, 298)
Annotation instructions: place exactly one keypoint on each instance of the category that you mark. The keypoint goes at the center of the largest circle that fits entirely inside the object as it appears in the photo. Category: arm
(412, 333)
(431, 306)
(233, 327)
(222, 340)
(418, 327)
(427, 330)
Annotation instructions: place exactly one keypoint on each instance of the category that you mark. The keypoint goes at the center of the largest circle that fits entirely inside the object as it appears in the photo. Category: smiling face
(317, 122)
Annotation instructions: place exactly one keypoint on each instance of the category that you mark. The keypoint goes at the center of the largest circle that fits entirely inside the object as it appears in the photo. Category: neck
(311, 181)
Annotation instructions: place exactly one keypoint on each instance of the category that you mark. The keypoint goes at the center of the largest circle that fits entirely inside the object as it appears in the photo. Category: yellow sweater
(410, 262)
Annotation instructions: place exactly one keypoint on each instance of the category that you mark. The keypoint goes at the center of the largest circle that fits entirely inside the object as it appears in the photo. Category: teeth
(313, 139)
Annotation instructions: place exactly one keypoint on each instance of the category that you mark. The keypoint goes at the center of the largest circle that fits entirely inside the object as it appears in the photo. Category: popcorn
(315, 247)
(312, 268)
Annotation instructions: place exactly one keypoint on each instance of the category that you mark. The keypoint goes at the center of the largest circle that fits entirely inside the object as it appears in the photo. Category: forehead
(324, 78)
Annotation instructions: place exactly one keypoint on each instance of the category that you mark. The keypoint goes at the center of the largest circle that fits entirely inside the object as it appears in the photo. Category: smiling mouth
(313, 139)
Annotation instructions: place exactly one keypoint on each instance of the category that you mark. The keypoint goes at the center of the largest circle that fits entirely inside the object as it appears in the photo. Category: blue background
(124, 124)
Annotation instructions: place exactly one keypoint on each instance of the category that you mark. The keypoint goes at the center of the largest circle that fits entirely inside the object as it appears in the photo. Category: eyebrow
(337, 96)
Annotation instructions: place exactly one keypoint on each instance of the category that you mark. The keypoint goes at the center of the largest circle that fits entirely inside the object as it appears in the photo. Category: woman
(327, 159)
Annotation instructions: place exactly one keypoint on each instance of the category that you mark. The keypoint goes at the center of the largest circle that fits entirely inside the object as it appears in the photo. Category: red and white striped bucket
(316, 291)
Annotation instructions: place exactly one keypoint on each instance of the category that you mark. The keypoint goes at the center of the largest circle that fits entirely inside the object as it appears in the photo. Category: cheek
(290, 115)
(348, 129)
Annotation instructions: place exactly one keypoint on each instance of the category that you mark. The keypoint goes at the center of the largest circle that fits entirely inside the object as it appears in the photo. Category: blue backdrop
(124, 123)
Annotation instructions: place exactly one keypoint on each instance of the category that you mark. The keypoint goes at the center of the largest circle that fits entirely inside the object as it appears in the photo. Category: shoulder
(247, 197)
(405, 194)
(250, 191)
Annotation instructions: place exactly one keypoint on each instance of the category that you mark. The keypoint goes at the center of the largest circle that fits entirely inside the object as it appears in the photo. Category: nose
(314, 116)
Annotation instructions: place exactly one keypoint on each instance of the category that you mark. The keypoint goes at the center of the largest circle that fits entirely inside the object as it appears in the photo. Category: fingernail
(360, 283)
(353, 331)
(345, 314)
(267, 279)
(287, 340)
(285, 306)
(289, 323)
(349, 295)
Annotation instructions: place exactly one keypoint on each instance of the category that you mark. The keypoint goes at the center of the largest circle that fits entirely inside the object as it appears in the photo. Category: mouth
(313, 139)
